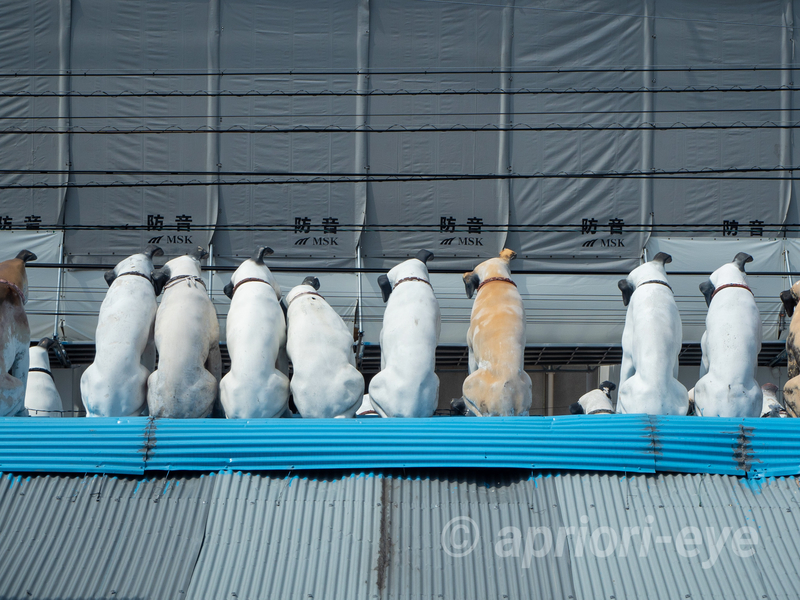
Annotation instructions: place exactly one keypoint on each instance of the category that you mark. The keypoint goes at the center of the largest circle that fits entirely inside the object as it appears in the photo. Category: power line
(274, 265)
(426, 71)
(726, 229)
(308, 178)
(424, 176)
(267, 115)
(398, 92)
(399, 128)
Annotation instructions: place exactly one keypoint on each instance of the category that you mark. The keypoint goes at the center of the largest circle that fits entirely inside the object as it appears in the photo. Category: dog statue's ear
(627, 291)
(58, 350)
(199, 254)
(471, 283)
(26, 256)
(160, 279)
(228, 290)
(459, 405)
(507, 254)
(576, 409)
(110, 276)
(314, 282)
(663, 258)
(424, 256)
(386, 287)
(46, 343)
(708, 290)
(152, 250)
(260, 253)
(741, 259)
(609, 385)
(789, 301)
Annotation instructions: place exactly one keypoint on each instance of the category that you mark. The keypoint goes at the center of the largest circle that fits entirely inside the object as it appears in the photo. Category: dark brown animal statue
(15, 334)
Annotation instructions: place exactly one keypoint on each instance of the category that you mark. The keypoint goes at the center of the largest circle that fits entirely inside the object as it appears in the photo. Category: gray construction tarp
(233, 124)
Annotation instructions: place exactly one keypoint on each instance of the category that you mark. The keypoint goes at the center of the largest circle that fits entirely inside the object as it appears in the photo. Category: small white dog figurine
(596, 402)
(771, 407)
(407, 385)
(651, 343)
(41, 396)
(326, 382)
(497, 384)
(15, 334)
(256, 332)
(730, 345)
(186, 383)
(115, 384)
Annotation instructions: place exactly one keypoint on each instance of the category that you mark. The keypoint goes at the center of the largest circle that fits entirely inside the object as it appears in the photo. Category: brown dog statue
(791, 390)
(15, 334)
(497, 384)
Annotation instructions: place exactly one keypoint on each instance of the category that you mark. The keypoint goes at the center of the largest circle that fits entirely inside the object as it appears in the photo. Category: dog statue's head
(255, 269)
(653, 270)
(310, 285)
(13, 271)
(790, 297)
(596, 400)
(416, 267)
(141, 263)
(729, 273)
(494, 267)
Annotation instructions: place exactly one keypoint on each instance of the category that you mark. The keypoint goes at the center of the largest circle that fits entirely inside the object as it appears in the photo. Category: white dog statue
(326, 382)
(15, 334)
(730, 345)
(407, 385)
(186, 383)
(771, 407)
(651, 343)
(596, 402)
(256, 332)
(497, 384)
(41, 396)
(115, 384)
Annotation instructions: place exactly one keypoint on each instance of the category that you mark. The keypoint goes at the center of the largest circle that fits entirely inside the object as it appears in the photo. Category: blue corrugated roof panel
(284, 444)
(73, 445)
(620, 443)
(752, 447)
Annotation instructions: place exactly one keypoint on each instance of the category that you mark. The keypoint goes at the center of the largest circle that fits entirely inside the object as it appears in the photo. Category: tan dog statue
(497, 384)
(791, 390)
(15, 333)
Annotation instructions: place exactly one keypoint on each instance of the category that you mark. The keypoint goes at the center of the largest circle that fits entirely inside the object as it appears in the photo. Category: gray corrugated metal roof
(99, 536)
(393, 535)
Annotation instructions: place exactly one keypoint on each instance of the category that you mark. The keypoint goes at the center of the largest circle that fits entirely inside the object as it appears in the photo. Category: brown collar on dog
(16, 289)
(412, 279)
(730, 285)
(150, 279)
(656, 281)
(179, 278)
(247, 280)
(602, 411)
(307, 294)
(491, 279)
